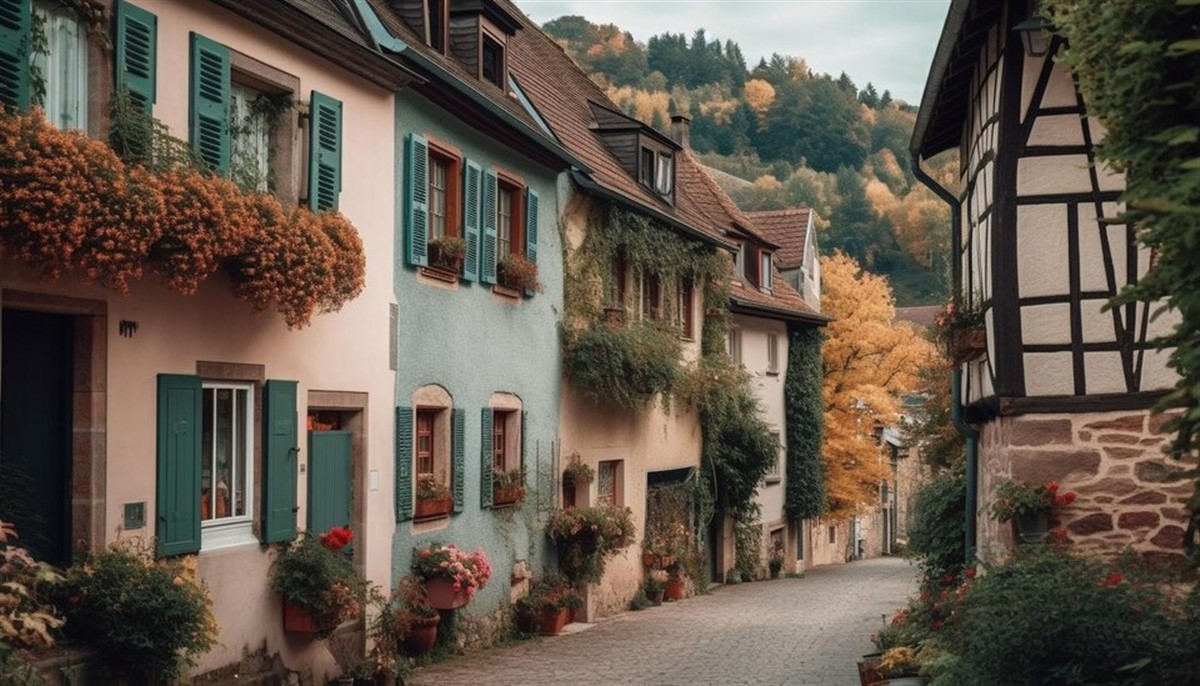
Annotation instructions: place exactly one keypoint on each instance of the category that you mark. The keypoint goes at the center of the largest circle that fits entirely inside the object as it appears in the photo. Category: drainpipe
(956, 410)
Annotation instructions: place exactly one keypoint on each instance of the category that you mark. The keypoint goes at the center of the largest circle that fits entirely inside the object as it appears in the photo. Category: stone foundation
(1128, 493)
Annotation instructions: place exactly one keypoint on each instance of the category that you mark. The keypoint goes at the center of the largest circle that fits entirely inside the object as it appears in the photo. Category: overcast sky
(887, 42)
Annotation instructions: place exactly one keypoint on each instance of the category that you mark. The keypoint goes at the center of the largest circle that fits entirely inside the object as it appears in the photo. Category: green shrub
(935, 532)
(146, 618)
(1052, 617)
(585, 536)
(624, 365)
(319, 577)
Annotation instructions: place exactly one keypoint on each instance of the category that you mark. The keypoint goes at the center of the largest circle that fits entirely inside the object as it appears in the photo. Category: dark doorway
(36, 353)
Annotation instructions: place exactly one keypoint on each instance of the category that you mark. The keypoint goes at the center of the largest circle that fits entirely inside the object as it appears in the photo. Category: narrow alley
(805, 631)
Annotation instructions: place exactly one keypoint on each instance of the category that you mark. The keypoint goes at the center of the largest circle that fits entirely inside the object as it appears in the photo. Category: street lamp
(1035, 35)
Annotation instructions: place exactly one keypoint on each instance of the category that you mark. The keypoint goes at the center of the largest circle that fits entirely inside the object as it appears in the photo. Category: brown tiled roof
(563, 95)
(783, 300)
(922, 315)
(326, 12)
(786, 228)
(711, 200)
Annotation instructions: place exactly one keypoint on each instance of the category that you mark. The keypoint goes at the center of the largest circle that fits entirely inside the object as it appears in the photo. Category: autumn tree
(870, 360)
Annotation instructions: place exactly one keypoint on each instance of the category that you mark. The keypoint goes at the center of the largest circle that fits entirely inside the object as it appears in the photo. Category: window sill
(441, 274)
(506, 292)
(773, 480)
(227, 535)
(772, 373)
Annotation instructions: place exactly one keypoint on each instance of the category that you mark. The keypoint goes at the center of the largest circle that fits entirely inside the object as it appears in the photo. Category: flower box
(968, 345)
(436, 507)
(508, 496)
(442, 596)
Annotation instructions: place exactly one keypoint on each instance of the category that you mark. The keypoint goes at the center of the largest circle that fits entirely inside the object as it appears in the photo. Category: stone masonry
(1129, 493)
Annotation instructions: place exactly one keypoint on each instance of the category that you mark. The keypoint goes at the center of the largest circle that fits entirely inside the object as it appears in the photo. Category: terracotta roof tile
(782, 298)
(788, 229)
(922, 315)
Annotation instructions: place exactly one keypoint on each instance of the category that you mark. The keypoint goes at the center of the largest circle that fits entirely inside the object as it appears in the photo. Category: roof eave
(951, 31)
(759, 310)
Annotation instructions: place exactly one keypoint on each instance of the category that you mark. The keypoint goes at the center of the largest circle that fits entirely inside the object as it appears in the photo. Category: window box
(508, 496)
(968, 345)
(446, 253)
(429, 509)
(518, 273)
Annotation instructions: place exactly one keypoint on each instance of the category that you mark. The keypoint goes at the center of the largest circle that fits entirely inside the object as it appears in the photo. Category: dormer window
(656, 171)
(439, 16)
(492, 61)
(665, 175)
(765, 272)
(739, 263)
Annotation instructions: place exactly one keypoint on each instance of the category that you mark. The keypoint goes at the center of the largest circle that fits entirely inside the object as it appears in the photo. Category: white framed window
(739, 263)
(227, 465)
(775, 475)
(608, 483)
(765, 272)
(437, 196)
(64, 65)
(664, 175)
(504, 220)
(650, 295)
(772, 353)
(249, 140)
(735, 345)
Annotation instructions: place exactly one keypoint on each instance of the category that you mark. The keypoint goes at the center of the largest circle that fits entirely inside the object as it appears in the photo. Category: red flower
(1052, 487)
(1064, 498)
(1059, 535)
(337, 538)
(969, 572)
(1115, 578)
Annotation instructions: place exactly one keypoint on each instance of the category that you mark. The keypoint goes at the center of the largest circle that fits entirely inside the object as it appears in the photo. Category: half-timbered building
(1062, 388)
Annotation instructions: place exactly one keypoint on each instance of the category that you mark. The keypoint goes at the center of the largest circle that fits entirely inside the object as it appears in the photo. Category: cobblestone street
(789, 631)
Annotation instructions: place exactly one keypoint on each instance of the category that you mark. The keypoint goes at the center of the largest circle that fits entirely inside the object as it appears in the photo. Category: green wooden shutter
(472, 180)
(324, 152)
(404, 464)
(281, 447)
(458, 425)
(531, 229)
(487, 252)
(16, 22)
(328, 480)
(180, 401)
(416, 200)
(136, 54)
(524, 426)
(208, 122)
(486, 457)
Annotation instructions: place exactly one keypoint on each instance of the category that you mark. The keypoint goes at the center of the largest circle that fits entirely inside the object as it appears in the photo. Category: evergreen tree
(813, 120)
(885, 100)
(846, 85)
(869, 96)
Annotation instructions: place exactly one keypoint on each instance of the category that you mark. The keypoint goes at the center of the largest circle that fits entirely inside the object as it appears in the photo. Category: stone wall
(1129, 497)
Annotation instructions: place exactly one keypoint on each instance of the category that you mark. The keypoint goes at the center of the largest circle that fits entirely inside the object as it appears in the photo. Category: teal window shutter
(329, 485)
(404, 464)
(177, 501)
(531, 229)
(458, 422)
(485, 464)
(487, 251)
(324, 152)
(281, 447)
(416, 200)
(208, 116)
(472, 181)
(136, 54)
(524, 426)
(16, 23)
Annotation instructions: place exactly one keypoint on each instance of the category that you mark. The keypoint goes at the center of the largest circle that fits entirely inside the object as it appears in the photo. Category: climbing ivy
(805, 497)
(1138, 65)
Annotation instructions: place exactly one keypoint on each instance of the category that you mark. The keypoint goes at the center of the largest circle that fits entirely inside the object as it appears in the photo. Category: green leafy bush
(935, 532)
(624, 365)
(146, 618)
(585, 536)
(314, 574)
(805, 496)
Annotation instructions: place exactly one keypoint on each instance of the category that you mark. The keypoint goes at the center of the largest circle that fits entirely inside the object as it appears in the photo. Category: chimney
(680, 126)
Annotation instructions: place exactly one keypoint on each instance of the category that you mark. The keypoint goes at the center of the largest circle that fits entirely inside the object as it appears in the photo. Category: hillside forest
(785, 136)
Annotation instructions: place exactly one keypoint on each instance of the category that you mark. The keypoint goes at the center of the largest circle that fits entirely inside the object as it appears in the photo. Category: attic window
(656, 171)
(438, 22)
(664, 181)
(765, 274)
(492, 62)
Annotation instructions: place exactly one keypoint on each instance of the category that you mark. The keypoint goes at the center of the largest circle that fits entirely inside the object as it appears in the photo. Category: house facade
(185, 419)
(1063, 389)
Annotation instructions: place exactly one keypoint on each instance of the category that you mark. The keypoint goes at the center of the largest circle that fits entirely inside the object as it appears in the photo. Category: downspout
(956, 410)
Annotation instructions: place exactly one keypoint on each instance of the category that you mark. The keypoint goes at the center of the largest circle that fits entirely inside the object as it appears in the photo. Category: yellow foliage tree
(759, 95)
(870, 360)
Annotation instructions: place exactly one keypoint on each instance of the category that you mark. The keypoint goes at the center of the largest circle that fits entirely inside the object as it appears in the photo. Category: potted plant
(1028, 506)
(447, 253)
(962, 331)
(27, 620)
(655, 584)
(676, 587)
(508, 487)
(548, 604)
(319, 584)
(775, 562)
(899, 667)
(586, 536)
(516, 271)
(451, 576)
(433, 497)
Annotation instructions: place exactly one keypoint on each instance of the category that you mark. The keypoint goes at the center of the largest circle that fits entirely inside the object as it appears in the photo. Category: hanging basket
(442, 596)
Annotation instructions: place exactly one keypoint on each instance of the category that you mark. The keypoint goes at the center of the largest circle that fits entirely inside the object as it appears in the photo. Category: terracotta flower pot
(674, 589)
(422, 635)
(442, 595)
(298, 619)
(867, 673)
(508, 496)
(432, 508)
(552, 622)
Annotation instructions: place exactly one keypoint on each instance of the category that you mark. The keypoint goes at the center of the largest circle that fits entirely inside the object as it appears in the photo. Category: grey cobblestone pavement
(798, 632)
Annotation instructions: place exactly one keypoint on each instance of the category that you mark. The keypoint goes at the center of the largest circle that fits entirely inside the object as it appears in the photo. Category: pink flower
(425, 553)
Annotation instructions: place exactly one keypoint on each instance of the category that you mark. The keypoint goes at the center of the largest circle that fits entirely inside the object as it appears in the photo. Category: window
(249, 139)
(499, 440)
(226, 459)
(775, 474)
(739, 263)
(504, 227)
(608, 483)
(651, 296)
(506, 440)
(646, 170)
(735, 345)
(616, 286)
(833, 534)
(502, 451)
(425, 420)
(444, 200)
(683, 307)
(664, 176)
(510, 223)
(492, 62)
(772, 353)
(63, 66)
(764, 272)
(437, 24)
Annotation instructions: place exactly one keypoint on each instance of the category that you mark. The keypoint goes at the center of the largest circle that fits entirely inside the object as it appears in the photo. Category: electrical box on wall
(135, 515)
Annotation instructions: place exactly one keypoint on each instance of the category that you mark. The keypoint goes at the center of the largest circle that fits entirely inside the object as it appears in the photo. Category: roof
(947, 95)
(923, 315)
(709, 199)
(565, 98)
(788, 229)
(508, 110)
(783, 302)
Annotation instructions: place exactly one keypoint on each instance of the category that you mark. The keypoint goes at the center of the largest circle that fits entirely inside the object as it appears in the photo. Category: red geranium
(337, 538)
